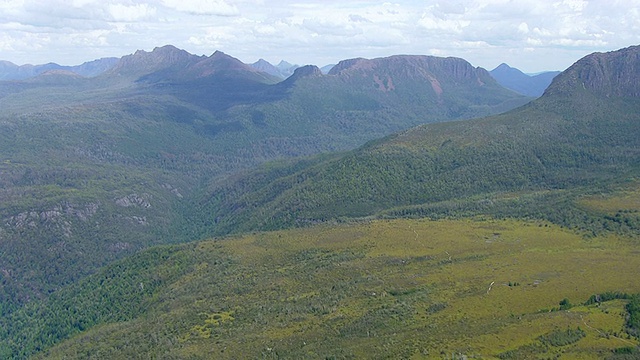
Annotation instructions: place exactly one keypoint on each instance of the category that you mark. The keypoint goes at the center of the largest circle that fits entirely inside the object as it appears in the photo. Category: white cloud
(485, 32)
(203, 7)
(523, 28)
(130, 13)
(448, 25)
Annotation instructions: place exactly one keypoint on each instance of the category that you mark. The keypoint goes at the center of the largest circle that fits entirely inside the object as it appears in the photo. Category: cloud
(358, 18)
(203, 7)
(430, 22)
(130, 13)
(485, 32)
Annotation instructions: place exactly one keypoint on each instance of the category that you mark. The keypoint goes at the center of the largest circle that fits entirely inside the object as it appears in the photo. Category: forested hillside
(581, 136)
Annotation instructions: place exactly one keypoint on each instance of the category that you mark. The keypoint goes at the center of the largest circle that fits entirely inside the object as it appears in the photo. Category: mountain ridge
(594, 72)
(11, 71)
(563, 140)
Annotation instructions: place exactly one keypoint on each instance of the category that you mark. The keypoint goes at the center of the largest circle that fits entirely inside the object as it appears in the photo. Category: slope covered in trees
(581, 136)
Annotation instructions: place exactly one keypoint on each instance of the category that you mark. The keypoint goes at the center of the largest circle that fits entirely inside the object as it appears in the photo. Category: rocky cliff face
(611, 74)
(414, 66)
(423, 78)
(142, 62)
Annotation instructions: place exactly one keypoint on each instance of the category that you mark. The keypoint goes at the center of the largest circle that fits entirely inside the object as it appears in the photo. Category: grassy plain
(416, 289)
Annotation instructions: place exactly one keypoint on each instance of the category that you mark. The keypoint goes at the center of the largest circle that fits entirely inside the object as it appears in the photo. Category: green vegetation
(633, 320)
(562, 337)
(417, 288)
(528, 163)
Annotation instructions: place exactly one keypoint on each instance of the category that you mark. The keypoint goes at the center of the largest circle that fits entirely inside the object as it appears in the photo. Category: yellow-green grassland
(480, 288)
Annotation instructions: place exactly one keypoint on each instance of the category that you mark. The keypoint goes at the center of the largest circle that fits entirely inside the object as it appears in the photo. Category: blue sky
(532, 35)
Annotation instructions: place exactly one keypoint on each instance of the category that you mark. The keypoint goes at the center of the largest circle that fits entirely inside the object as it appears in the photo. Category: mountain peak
(610, 74)
(142, 62)
(285, 65)
(306, 71)
(506, 70)
(262, 62)
(167, 53)
(516, 80)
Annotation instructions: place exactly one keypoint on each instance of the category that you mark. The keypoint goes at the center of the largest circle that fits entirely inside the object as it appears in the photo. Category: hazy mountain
(286, 68)
(165, 60)
(265, 66)
(325, 69)
(282, 71)
(11, 71)
(516, 80)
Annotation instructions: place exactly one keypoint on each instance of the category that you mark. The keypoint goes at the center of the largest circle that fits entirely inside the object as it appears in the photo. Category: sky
(532, 35)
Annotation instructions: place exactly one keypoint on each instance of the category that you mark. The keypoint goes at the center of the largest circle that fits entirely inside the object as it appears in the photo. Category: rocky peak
(143, 62)
(414, 67)
(350, 64)
(307, 71)
(611, 74)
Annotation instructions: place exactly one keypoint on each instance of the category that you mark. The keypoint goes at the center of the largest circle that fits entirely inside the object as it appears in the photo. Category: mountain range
(11, 71)
(509, 77)
(167, 147)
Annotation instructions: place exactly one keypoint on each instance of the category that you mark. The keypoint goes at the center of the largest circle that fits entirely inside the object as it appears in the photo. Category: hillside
(95, 169)
(581, 136)
(381, 289)
(516, 80)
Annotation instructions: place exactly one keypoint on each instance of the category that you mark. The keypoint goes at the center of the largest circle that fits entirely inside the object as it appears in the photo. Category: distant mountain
(56, 78)
(265, 66)
(282, 71)
(11, 71)
(286, 69)
(582, 132)
(166, 60)
(325, 69)
(516, 80)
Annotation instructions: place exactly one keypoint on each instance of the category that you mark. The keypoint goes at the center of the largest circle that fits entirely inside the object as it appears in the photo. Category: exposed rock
(614, 73)
(140, 220)
(135, 200)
